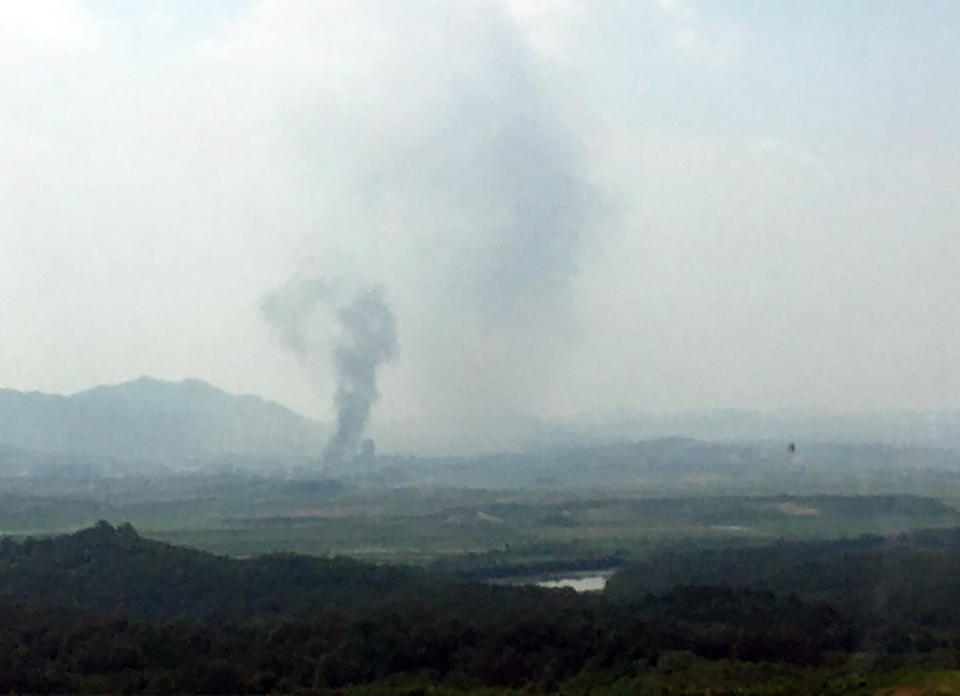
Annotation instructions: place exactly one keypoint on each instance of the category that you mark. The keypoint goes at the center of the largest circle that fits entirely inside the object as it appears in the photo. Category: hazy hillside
(15, 463)
(682, 464)
(524, 432)
(928, 429)
(153, 419)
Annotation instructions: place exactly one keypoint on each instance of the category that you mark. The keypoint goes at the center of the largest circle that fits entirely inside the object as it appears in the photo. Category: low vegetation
(105, 609)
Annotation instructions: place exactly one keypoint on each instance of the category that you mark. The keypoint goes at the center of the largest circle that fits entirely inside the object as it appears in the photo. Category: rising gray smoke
(293, 309)
(306, 313)
(369, 338)
(480, 184)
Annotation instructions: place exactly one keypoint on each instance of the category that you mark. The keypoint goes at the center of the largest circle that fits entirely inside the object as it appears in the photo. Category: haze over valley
(480, 347)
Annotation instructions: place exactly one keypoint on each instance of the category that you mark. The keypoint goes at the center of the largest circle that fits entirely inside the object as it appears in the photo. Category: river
(580, 580)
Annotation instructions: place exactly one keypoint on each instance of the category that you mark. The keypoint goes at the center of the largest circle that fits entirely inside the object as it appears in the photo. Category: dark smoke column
(369, 339)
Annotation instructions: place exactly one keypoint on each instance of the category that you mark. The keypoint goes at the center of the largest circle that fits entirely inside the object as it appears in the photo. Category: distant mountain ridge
(518, 432)
(906, 428)
(152, 419)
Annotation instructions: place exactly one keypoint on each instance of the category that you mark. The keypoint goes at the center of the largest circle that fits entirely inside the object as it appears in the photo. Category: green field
(472, 530)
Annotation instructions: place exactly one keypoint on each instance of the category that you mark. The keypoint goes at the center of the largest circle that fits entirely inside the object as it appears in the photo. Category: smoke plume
(316, 321)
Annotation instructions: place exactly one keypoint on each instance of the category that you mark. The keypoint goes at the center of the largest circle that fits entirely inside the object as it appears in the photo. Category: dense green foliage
(107, 610)
(909, 580)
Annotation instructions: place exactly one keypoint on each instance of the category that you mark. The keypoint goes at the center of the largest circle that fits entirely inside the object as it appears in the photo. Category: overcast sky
(571, 205)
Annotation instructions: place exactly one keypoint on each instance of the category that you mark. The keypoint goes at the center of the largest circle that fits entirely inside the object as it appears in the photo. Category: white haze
(571, 206)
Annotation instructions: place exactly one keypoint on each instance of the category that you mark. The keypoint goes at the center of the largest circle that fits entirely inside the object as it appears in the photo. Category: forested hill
(104, 610)
(907, 579)
(153, 419)
(114, 570)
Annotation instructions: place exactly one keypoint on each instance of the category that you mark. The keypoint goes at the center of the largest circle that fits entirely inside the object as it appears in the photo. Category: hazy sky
(570, 205)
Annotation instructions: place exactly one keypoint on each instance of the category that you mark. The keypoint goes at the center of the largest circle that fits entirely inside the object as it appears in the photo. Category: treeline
(492, 636)
(105, 610)
(908, 582)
